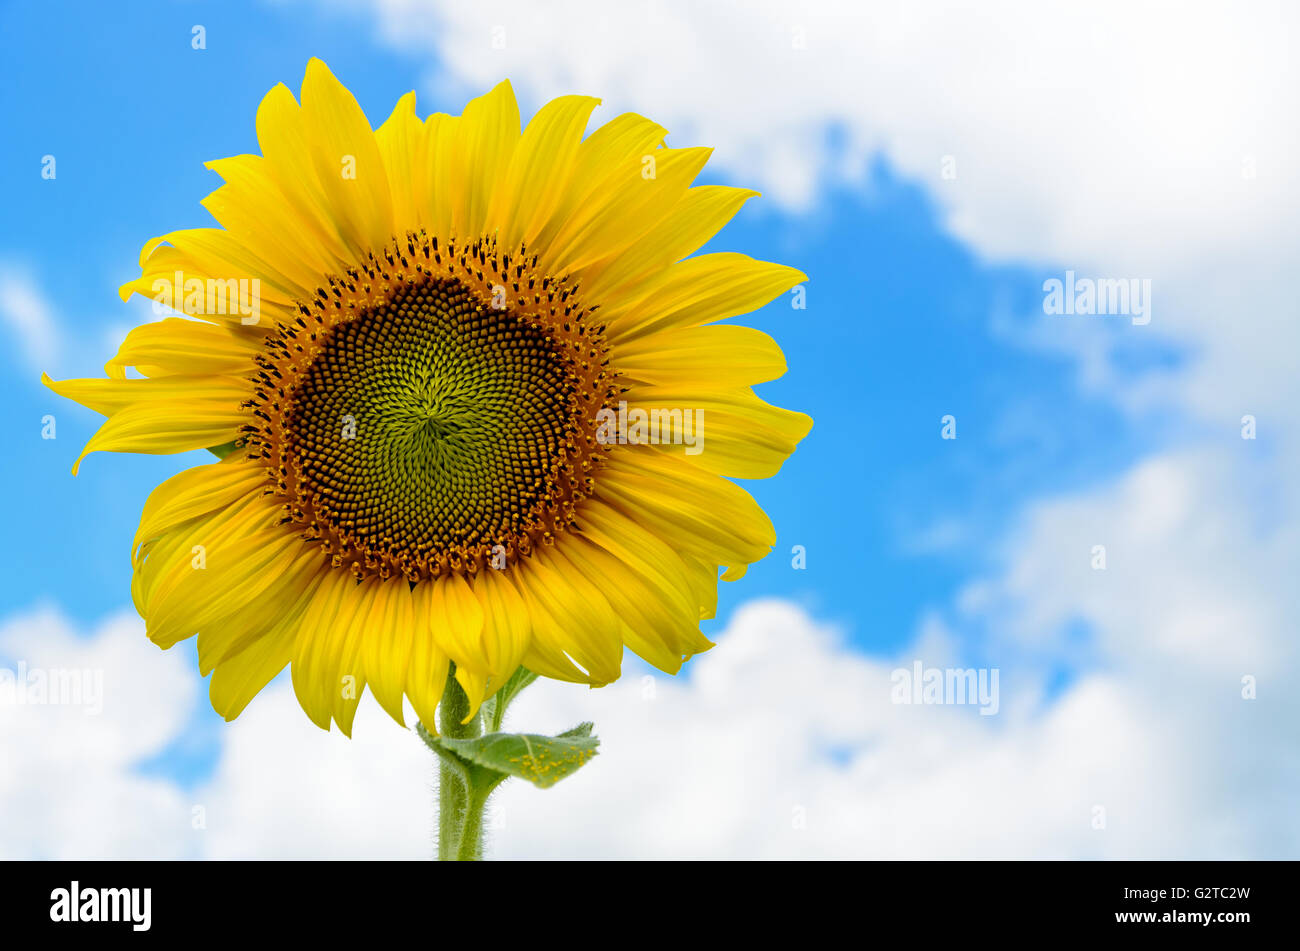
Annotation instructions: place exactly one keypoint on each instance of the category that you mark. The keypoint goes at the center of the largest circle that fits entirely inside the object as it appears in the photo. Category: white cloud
(69, 788)
(1047, 109)
(283, 788)
(1194, 570)
(1197, 595)
(28, 318)
(783, 742)
(1112, 138)
(783, 722)
(73, 785)
(1109, 138)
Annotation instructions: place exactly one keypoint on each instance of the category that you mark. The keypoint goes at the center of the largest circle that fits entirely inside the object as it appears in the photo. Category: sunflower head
(471, 397)
(435, 430)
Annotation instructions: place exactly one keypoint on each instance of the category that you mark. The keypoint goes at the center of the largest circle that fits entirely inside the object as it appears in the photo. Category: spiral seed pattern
(433, 411)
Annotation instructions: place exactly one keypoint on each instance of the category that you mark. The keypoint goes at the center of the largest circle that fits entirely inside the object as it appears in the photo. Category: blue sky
(912, 313)
(896, 334)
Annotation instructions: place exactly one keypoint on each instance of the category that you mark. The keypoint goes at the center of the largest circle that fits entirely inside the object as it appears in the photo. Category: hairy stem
(460, 804)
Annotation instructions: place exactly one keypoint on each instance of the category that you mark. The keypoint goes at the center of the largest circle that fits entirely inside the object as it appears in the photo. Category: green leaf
(495, 708)
(542, 760)
(582, 729)
(224, 450)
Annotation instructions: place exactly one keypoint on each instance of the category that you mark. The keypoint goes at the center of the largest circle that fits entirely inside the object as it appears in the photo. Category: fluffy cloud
(1106, 137)
(783, 742)
(285, 789)
(70, 787)
(76, 782)
(1110, 138)
(28, 319)
(786, 744)
(1046, 109)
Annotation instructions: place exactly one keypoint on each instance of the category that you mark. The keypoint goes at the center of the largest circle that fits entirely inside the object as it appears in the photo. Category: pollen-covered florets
(434, 410)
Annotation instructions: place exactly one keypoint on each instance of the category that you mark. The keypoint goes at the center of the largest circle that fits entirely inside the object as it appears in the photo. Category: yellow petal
(170, 559)
(426, 677)
(506, 625)
(571, 616)
(195, 492)
(629, 207)
(389, 627)
(236, 570)
(482, 145)
(287, 594)
(113, 396)
(540, 170)
(322, 643)
(441, 202)
(281, 233)
(547, 661)
(602, 160)
(457, 620)
(202, 278)
(701, 290)
(287, 150)
(653, 626)
(240, 677)
(175, 346)
(735, 433)
(347, 160)
(159, 416)
(638, 547)
(345, 670)
(401, 142)
(146, 430)
(695, 511)
(699, 214)
(723, 354)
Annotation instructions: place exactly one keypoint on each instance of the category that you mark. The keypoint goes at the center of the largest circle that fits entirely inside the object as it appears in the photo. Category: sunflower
(428, 356)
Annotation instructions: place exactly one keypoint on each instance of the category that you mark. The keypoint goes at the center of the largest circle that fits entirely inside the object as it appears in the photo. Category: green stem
(471, 833)
(460, 804)
(498, 714)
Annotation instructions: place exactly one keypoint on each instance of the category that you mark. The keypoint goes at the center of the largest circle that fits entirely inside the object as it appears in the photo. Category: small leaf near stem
(512, 688)
(224, 449)
(473, 765)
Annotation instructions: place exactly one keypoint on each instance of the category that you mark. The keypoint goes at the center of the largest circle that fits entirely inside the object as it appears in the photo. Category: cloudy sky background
(1118, 140)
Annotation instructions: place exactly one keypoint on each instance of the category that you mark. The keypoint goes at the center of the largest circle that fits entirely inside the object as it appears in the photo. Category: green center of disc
(431, 424)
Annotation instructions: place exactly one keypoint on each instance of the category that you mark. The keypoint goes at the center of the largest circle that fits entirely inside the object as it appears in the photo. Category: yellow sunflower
(470, 397)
